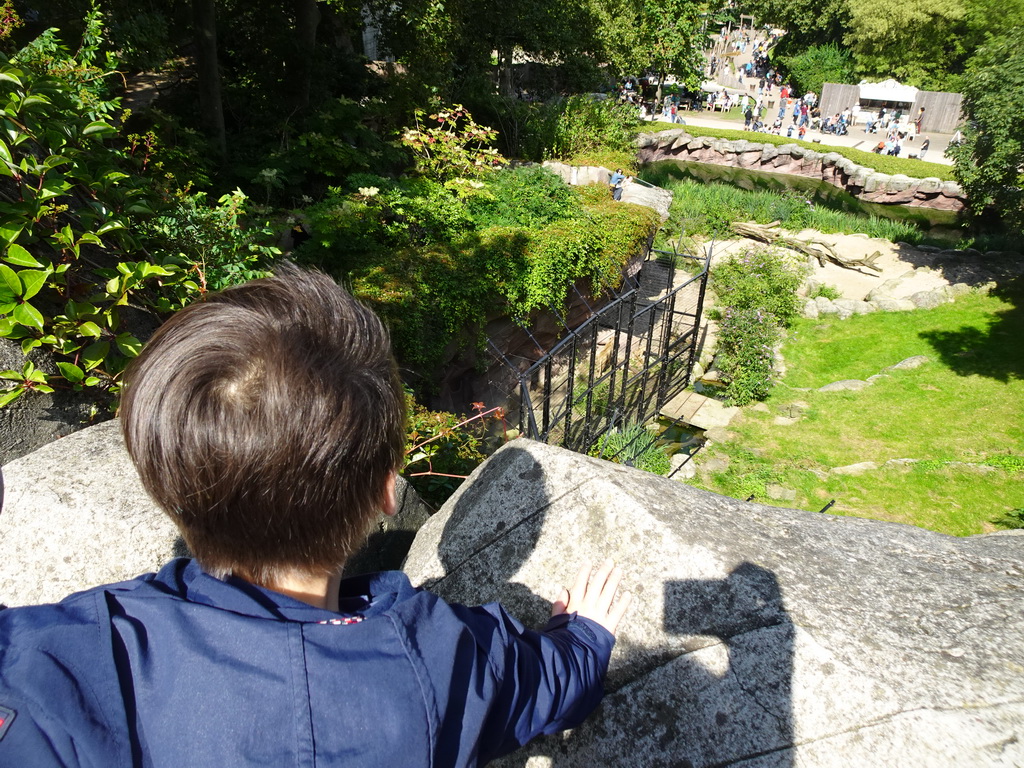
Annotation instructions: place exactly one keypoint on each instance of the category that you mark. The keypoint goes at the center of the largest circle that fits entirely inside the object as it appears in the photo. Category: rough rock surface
(635, 192)
(759, 636)
(863, 183)
(75, 515)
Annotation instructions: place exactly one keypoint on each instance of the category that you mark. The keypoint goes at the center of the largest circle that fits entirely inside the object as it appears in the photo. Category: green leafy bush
(436, 261)
(593, 131)
(823, 291)
(746, 342)
(222, 243)
(762, 279)
(84, 233)
(758, 293)
(819, 64)
(529, 196)
(634, 446)
(450, 145)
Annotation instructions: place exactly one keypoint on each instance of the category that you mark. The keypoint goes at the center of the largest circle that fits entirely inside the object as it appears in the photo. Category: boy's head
(267, 421)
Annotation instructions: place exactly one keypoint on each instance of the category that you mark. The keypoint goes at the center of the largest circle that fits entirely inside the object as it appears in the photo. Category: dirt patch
(897, 261)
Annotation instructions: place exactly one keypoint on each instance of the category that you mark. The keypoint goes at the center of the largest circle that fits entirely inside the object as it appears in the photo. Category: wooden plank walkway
(689, 407)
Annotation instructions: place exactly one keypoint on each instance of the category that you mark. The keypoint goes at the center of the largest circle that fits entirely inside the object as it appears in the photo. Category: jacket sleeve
(508, 684)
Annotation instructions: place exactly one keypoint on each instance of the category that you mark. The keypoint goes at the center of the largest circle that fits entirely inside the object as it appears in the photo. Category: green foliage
(824, 291)
(1010, 463)
(77, 239)
(436, 260)
(443, 448)
(223, 246)
(819, 64)
(590, 129)
(65, 217)
(663, 36)
(758, 290)
(529, 196)
(710, 209)
(450, 145)
(1012, 520)
(914, 41)
(634, 446)
(988, 163)
(760, 278)
(746, 344)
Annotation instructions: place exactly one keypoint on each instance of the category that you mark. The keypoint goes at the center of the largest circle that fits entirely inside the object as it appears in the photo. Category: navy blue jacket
(181, 669)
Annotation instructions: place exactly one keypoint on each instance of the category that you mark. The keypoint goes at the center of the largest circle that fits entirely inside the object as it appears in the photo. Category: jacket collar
(366, 595)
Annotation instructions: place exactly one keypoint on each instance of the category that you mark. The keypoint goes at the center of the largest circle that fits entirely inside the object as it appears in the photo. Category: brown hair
(266, 421)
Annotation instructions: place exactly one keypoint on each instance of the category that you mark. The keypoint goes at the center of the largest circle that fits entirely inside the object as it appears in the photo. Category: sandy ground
(896, 261)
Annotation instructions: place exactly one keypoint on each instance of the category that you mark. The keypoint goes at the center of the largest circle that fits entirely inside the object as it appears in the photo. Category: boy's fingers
(599, 579)
(579, 589)
(618, 611)
(561, 602)
(611, 586)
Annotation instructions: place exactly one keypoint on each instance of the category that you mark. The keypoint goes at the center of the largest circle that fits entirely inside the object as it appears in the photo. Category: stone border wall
(863, 183)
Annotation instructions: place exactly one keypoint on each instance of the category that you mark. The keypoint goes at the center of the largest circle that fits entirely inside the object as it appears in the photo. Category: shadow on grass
(994, 351)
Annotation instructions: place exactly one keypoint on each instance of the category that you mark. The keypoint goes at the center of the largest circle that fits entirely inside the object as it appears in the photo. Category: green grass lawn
(961, 415)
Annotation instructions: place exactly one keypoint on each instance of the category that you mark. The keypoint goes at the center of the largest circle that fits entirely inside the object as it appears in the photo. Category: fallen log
(772, 234)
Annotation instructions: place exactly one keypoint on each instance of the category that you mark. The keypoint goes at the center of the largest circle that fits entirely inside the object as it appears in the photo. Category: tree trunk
(505, 72)
(211, 106)
(299, 68)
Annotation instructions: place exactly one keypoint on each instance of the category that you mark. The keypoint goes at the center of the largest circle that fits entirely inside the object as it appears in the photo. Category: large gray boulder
(758, 636)
(75, 515)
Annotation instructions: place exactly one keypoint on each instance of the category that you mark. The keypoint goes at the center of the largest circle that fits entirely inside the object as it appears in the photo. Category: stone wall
(758, 636)
(863, 183)
(75, 515)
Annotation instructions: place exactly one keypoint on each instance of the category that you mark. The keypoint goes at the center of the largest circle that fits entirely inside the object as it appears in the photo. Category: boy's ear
(389, 504)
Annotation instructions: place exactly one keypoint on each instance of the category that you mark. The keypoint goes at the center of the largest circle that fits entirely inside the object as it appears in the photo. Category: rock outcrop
(76, 515)
(635, 192)
(758, 636)
(761, 636)
(863, 183)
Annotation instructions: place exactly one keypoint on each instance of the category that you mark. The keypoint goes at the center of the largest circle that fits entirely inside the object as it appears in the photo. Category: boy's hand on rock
(593, 596)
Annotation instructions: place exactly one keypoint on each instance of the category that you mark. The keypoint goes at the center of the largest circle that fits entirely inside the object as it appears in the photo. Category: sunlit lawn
(961, 414)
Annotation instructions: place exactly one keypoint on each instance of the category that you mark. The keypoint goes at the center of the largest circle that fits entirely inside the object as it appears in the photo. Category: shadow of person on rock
(713, 689)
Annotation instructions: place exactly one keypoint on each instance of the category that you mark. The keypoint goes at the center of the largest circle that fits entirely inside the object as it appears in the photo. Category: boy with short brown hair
(268, 422)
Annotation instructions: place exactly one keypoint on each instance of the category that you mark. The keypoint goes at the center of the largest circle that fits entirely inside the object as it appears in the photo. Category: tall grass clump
(710, 209)
(635, 447)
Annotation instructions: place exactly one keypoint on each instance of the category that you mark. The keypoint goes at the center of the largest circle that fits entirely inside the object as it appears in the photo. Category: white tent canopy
(887, 90)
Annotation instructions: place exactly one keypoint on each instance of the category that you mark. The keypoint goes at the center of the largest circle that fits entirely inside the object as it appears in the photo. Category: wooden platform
(691, 408)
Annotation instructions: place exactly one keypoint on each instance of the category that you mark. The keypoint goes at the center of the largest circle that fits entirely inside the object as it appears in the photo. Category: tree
(807, 22)
(989, 164)
(663, 35)
(818, 65)
(916, 41)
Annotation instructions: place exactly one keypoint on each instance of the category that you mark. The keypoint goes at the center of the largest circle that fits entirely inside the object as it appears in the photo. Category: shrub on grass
(746, 353)
(762, 279)
(829, 292)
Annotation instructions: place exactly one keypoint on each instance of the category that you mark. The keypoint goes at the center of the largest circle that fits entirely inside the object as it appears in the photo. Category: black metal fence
(621, 366)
